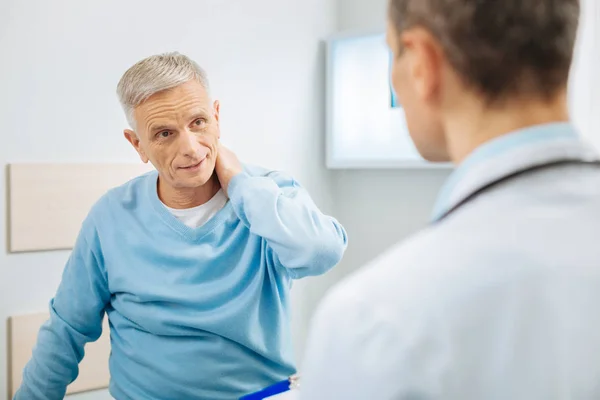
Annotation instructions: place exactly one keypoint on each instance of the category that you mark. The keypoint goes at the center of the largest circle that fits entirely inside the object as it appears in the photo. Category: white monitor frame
(333, 159)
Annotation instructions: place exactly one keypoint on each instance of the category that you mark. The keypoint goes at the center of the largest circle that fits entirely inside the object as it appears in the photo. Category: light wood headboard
(22, 336)
(48, 202)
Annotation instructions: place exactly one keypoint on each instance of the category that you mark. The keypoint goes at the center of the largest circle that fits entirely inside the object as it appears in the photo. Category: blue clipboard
(276, 388)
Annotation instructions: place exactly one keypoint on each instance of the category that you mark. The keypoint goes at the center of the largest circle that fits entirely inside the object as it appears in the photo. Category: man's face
(178, 132)
(416, 77)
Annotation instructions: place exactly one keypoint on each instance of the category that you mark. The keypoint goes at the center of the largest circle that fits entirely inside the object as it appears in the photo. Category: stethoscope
(504, 179)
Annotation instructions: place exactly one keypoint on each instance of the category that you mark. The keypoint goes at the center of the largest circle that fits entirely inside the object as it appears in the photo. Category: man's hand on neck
(227, 166)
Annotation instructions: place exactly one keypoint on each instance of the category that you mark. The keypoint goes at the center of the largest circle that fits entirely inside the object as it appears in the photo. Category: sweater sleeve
(76, 314)
(304, 240)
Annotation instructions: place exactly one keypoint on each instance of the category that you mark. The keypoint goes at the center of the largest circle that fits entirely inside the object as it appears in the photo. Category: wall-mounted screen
(365, 122)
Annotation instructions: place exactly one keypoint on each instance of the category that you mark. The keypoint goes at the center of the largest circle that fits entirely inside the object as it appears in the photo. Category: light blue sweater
(194, 313)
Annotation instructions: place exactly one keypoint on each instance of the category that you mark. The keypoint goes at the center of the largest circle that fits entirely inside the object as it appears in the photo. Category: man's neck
(182, 198)
(469, 127)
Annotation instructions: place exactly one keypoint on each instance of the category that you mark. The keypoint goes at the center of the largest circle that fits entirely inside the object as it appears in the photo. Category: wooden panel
(48, 202)
(22, 336)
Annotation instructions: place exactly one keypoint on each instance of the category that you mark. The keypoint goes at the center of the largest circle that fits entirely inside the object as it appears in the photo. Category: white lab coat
(498, 301)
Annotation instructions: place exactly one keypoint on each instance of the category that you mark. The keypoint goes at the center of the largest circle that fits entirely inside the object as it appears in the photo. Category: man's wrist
(232, 179)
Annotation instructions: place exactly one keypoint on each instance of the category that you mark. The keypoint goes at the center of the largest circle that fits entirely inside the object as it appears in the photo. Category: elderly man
(498, 298)
(192, 263)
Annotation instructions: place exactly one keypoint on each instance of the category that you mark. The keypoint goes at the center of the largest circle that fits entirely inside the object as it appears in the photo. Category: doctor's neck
(470, 122)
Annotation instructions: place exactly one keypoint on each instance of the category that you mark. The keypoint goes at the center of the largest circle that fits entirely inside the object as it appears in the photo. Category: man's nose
(189, 145)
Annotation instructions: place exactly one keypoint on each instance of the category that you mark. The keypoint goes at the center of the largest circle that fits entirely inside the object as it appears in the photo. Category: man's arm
(275, 207)
(76, 314)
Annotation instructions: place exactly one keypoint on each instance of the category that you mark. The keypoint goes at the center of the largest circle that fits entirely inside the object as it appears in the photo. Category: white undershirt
(197, 216)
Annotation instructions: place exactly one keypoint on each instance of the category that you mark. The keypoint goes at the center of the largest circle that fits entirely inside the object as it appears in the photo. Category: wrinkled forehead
(173, 104)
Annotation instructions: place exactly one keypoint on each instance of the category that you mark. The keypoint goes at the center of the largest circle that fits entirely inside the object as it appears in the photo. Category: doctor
(498, 298)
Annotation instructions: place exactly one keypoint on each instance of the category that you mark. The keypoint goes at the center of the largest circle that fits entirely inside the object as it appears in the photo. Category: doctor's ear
(425, 61)
(135, 142)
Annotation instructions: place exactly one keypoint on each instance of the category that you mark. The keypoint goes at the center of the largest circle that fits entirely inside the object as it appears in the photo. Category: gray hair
(155, 74)
(500, 48)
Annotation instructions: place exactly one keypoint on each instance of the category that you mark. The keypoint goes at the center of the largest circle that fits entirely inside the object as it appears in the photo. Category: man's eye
(199, 122)
(164, 134)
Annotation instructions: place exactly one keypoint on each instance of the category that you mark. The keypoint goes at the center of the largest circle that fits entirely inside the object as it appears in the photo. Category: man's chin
(194, 183)
(197, 180)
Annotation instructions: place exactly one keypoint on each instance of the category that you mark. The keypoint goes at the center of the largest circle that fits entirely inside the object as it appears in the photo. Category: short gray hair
(500, 48)
(155, 74)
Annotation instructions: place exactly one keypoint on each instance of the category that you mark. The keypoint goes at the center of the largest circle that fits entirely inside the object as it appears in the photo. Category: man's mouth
(193, 166)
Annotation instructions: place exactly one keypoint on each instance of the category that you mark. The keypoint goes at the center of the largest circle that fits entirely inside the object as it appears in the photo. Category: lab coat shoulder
(400, 315)
(410, 269)
(371, 327)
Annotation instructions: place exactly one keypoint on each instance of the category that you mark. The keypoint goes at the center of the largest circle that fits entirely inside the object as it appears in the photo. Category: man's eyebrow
(200, 112)
(161, 127)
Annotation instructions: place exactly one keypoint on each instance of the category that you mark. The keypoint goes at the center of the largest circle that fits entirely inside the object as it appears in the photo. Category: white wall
(61, 61)
(585, 80)
(361, 15)
(379, 207)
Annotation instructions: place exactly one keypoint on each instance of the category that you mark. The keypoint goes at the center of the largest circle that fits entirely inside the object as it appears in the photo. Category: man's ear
(135, 142)
(217, 108)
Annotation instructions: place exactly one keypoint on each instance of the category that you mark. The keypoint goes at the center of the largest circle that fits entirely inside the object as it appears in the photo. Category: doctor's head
(174, 124)
(462, 58)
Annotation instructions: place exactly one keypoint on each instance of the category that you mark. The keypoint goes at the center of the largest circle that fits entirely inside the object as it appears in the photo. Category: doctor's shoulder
(414, 272)
(389, 303)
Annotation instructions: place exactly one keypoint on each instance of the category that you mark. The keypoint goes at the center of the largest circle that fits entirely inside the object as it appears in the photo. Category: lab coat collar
(508, 154)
